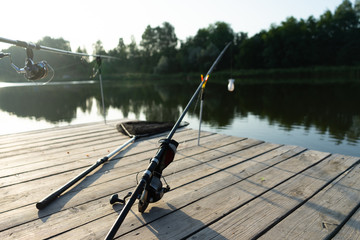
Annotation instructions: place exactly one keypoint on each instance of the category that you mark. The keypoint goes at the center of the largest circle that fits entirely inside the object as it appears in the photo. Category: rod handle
(46, 201)
(51, 197)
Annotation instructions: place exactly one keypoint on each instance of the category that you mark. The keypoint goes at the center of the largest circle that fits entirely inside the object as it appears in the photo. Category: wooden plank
(86, 218)
(177, 207)
(271, 188)
(351, 229)
(204, 187)
(38, 186)
(38, 161)
(82, 158)
(256, 216)
(66, 145)
(61, 155)
(46, 166)
(201, 213)
(15, 159)
(319, 216)
(30, 192)
(60, 136)
(47, 138)
(198, 215)
(54, 132)
(133, 178)
(33, 145)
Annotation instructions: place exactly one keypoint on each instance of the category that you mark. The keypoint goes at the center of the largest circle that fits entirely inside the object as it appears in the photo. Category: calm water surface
(320, 117)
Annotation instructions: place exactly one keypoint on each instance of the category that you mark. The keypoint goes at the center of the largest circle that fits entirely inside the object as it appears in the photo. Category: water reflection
(330, 109)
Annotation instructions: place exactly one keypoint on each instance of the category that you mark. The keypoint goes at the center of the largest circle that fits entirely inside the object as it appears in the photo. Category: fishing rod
(30, 45)
(133, 129)
(36, 71)
(40, 70)
(149, 189)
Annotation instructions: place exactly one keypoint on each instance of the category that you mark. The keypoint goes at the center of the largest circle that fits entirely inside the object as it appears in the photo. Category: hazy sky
(83, 22)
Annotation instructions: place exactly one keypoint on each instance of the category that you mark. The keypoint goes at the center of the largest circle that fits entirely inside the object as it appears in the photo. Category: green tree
(98, 48)
(167, 40)
(149, 41)
(133, 50)
(121, 50)
(347, 35)
(198, 52)
(357, 9)
(134, 57)
(332, 40)
(58, 43)
(345, 16)
(235, 59)
(251, 52)
(157, 42)
(220, 34)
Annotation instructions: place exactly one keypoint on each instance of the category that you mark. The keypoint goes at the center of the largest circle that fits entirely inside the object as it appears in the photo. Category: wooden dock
(227, 188)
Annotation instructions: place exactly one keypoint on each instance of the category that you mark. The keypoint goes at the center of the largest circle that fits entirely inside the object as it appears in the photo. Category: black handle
(51, 197)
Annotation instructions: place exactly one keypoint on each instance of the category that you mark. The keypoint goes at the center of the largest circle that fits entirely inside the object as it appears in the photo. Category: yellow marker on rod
(202, 103)
(204, 81)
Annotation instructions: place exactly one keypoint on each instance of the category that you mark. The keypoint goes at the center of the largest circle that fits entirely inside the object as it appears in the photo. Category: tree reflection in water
(329, 108)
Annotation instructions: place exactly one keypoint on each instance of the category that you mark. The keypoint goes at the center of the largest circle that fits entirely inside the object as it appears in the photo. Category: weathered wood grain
(180, 195)
(226, 188)
(351, 229)
(320, 215)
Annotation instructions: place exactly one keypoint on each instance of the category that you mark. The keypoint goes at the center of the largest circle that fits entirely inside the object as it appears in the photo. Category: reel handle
(115, 198)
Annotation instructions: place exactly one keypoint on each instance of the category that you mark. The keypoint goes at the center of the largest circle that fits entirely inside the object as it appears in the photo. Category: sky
(83, 22)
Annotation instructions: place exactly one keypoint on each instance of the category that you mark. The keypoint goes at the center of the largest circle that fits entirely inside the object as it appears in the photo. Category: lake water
(315, 116)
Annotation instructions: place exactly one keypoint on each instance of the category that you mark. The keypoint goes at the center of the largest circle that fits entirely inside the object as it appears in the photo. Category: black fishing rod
(34, 71)
(30, 45)
(150, 189)
(40, 70)
(133, 129)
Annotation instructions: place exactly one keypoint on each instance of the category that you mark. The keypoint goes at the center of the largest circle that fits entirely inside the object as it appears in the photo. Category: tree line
(331, 40)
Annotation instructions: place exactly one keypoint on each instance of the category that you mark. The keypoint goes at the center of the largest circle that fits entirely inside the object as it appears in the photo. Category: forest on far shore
(330, 41)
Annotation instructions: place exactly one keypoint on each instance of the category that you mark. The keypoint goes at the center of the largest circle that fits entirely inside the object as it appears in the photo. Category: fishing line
(196, 103)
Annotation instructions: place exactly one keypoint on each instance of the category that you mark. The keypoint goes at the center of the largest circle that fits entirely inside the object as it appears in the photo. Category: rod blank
(49, 49)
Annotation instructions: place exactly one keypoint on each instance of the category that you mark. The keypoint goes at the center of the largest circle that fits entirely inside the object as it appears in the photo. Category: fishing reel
(154, 189)
(153, 192)
(32, 71)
